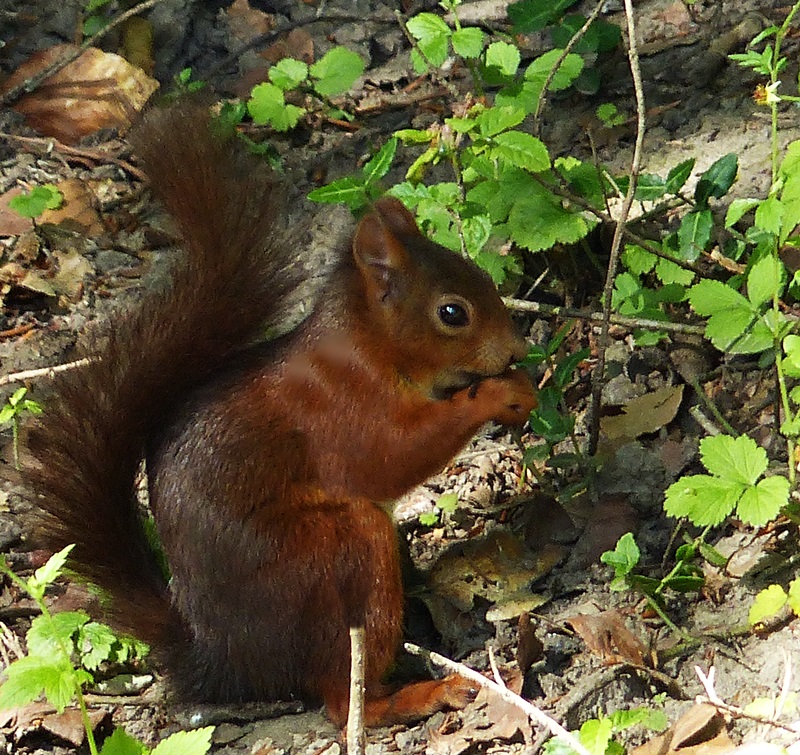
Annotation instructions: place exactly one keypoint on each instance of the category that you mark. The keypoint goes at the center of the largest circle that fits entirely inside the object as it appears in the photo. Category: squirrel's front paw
(512, 393)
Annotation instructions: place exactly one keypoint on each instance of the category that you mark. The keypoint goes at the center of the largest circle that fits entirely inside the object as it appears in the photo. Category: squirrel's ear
(378, 249)
(396, 216)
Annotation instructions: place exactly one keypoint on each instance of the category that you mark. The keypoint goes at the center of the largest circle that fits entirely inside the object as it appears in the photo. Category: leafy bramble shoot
(623, 559)
(735, 464)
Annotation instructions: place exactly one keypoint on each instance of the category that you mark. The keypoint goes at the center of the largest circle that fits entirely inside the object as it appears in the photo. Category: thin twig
(561, 58)
(599, 372)
(17, 377)
(538, 715)
(356, 738)
(628, 322)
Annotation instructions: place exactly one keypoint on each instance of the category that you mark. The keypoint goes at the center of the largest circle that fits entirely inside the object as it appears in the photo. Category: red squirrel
(270, 462)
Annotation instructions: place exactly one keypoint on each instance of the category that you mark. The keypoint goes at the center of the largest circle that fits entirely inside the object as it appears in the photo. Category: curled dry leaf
(98, 90)
(11, 222)
(606, 635)
(645, 414)
(77, 212)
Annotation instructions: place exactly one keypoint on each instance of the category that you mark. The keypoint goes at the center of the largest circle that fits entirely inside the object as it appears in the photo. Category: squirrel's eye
(453, 314)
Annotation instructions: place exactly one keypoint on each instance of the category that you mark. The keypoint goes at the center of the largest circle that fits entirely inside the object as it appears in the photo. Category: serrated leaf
(95, 643)
(468, 42)
(195, 742)
(122, 743)
(763, 503)
(533, 15)
(447, 502)
(669, 272)
(702, 499)
(679, 175)
(569, 70)
(432, 35)
(503, 56)
(769, 215)
(717, 180)
(47, 574)
(768, 603)
(766, 279)
(268, 106)
(521, 150)
(495, 120)
(638, 260)
(336, 71)
(694, 234)
(595, 735)
(288, 73)
(540, 225)
(47, 636)
(25, 681)
(740, 459)
(738, 209)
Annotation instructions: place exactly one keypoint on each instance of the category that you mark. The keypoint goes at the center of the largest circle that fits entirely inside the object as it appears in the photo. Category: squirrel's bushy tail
(236, 271)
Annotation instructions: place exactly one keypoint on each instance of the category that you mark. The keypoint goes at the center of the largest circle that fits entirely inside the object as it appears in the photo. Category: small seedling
(11, 413)
(446, 503)
(33, 203)
(62, 647)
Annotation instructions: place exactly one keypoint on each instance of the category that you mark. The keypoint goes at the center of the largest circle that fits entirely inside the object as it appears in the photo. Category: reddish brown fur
(268, 462)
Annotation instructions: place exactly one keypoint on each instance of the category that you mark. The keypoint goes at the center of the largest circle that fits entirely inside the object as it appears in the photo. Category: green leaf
(694, 234)
(26, 679)
(36, 201)
(766, 279)
(739, 460)
(267, 106)
(195, 742)
(638, 260)
(432, 35)
(595, 735)
(288, 73)
(768, 603)
(763, 503)
(794, 596)
(468, 42)
(429, 518)
(51, 570)
(95, 643)
(669, 272)
(650, 188)
(521, 150)
(347, 190)
(122, 743)
(529, 16)
(678, 176)
(717, 180)
(738, 209)
(380, 163)
(569, 70)
(336, 71)
(769, 215)
(48, 635)
(503, 56)
(734, 324)
(495, 120)
(625, 556)
(541, 223)
(702, 499)
(447, 502)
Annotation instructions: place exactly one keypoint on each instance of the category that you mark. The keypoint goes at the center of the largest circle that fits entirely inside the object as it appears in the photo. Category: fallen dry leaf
(645, 414)
(11, 222)
(699, 731)
(77, 211)
(606, 635)
(98, 90)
